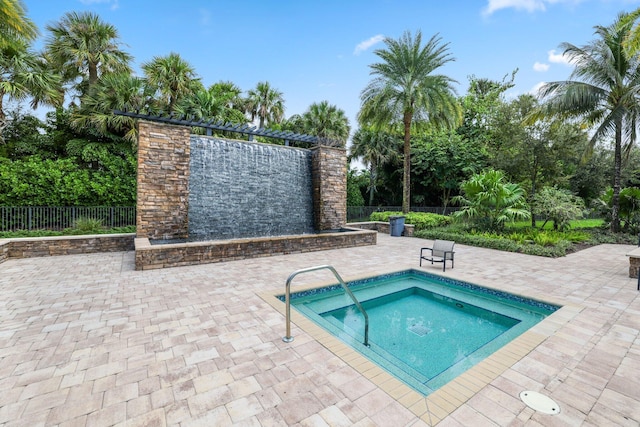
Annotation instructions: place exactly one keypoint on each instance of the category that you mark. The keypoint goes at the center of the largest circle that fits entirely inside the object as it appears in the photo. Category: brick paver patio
(85, 340)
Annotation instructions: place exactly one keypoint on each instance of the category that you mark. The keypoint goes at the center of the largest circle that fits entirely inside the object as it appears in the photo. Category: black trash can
(396, 225)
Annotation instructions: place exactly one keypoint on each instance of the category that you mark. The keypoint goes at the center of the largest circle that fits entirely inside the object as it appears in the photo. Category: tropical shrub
(558, 206)
(87, 226)
(354, 195)
(629, 207)
(489, 201)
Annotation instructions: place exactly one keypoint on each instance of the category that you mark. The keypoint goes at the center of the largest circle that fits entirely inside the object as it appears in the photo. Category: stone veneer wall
(4, 250)
(381, 227)
(150, 256)
(163, 181)
(329, 168)
(634, 267)
(634, 262)
(30, 247)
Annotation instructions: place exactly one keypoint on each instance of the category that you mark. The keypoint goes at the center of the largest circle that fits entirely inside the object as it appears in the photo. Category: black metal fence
(362, 213)
(14, 218)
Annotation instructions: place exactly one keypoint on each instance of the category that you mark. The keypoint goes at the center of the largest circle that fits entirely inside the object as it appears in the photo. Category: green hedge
(45, 182)
(560, 249)
(421, 220)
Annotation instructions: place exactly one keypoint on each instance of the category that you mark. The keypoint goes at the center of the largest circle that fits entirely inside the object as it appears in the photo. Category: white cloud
(362, 46)
(540, 67)
(558, 58)
(526, 5)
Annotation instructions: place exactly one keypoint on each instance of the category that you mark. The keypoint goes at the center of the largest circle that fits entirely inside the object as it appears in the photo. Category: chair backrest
(442, 246)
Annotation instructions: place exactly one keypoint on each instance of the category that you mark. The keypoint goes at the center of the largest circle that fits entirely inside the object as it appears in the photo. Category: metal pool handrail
(288, 337)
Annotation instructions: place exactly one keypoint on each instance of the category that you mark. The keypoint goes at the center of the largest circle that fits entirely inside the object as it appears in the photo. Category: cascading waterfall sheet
(242, 189)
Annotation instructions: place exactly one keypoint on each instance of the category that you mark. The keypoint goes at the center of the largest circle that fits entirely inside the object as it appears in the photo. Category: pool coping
(438, 405)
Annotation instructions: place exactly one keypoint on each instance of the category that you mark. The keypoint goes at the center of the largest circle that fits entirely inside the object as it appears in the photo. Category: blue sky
(321, 50)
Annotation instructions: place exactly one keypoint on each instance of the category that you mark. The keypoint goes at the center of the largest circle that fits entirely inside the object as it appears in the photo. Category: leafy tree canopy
(558, 206)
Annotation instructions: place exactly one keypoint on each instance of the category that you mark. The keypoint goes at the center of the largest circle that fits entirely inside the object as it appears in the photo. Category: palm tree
(23, 74)
(14, 23)
(327, 122)
(265, 103)
(122, 91)
(405, 91)
(82, 45)
(173, 77)
(230, 93)
(210, 104)
(293, 124)
(632, 41)
(603, 90)
(375, 148)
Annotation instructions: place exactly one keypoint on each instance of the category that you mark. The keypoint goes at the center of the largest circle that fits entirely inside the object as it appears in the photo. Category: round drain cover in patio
(540, 402)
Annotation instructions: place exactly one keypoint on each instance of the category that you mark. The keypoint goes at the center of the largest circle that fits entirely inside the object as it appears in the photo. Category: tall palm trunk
(373, 176)
(617, 167)
(534, 176)
(262, 113)
(93, 73)
(3, 118)
(406, 176)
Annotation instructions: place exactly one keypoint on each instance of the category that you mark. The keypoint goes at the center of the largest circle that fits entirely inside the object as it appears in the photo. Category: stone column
(634, 266)
(163, 181)
(329, 168)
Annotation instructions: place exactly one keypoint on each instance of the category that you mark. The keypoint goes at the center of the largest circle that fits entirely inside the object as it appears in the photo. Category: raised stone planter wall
(4, 250)
(381, 227)
(29, 247)
(150, 256)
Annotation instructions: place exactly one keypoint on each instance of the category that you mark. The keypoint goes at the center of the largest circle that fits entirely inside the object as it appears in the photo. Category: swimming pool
(424, 329)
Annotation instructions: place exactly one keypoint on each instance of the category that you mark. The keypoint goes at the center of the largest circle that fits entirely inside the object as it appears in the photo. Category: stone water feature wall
(165, 165)
(163, 210)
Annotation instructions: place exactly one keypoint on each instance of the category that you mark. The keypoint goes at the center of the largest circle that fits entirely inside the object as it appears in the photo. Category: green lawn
(575, 224)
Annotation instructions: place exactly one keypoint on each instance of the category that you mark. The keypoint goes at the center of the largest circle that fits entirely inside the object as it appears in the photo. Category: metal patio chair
(442, 251)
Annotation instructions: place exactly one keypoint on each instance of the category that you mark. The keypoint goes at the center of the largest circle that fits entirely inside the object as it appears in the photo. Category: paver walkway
(87, 341)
